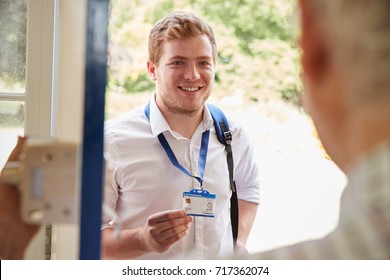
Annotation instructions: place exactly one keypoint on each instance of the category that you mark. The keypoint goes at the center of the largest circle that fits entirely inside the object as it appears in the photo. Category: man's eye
(204, 63)
(178, 63)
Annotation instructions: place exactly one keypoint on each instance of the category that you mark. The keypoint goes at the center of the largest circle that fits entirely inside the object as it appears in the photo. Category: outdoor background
(257, 81)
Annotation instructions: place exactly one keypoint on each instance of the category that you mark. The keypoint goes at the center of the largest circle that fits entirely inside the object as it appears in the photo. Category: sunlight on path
(300, 189)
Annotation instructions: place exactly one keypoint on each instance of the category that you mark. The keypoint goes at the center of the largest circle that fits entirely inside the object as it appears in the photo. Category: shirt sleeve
(110, 187)
(246, 171)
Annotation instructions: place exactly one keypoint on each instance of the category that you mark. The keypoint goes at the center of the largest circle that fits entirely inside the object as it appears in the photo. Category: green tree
(257, 56)
(250, 19)
(13, 40)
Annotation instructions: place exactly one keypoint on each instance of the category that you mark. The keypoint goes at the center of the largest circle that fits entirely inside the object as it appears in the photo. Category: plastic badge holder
(199, 203)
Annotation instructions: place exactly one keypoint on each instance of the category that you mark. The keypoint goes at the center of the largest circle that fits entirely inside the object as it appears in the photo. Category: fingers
(166, 216)
(14, 156)
(167, 224)
(170, 223)
(8, 174)
(171, 229)
(174, 238)
(15, 233)
(164, 240)
(165, 228)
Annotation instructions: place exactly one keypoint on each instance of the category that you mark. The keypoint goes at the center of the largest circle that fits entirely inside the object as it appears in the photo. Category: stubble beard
(174, 107)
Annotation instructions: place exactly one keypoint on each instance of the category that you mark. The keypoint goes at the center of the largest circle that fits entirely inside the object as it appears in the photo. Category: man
(15, 235)
(146, 189)
(346, 71)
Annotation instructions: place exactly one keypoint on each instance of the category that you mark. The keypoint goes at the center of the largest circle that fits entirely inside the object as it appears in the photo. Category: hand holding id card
(199, 203)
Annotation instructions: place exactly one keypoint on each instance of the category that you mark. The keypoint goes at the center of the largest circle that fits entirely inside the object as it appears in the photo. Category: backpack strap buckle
(228, 137)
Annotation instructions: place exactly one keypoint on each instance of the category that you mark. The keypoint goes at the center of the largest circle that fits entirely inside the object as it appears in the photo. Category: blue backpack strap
(225, 137)
(221, 124)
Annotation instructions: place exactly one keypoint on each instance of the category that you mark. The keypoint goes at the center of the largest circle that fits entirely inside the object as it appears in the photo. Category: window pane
(13, 21)
(11, 125)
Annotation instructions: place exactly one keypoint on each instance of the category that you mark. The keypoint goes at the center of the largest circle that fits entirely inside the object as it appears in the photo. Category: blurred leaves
(13, 21)
(257, 54)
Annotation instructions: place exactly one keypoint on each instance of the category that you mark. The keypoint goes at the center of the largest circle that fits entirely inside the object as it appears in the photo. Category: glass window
(13, 24)
(11, 125)
(13, 21)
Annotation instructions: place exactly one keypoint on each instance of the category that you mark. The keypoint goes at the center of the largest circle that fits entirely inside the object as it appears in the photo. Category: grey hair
(359, 31)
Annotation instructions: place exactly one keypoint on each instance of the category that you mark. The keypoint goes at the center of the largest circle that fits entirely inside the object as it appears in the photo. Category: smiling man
(159, 152)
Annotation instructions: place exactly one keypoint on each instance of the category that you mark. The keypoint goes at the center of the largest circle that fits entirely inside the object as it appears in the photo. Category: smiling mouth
(190, 89)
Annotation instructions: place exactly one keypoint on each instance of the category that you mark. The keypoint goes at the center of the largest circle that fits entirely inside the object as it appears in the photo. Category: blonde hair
(178, 25)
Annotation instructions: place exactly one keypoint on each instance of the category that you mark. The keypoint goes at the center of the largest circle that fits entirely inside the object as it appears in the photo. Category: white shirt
(143, 181)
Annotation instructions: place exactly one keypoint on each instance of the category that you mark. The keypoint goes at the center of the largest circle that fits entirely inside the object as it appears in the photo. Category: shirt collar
(207, 119)
(158, 123)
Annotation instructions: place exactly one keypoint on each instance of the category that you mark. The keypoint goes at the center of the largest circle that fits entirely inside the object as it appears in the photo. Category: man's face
(184, 75)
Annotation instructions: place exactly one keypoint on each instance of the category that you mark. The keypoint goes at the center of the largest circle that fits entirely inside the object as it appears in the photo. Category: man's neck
(365, 135)
(184, 124)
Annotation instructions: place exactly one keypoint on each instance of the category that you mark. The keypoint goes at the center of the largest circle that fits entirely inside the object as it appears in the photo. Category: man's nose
(192, 73)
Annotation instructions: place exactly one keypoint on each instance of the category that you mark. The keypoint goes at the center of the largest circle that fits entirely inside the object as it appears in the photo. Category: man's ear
(151, 70)
(315, 48)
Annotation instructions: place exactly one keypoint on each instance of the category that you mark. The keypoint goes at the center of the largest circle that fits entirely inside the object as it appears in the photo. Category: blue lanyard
(202, 154)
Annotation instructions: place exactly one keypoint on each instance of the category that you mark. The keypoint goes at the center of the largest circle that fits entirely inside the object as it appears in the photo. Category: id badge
(199, 203)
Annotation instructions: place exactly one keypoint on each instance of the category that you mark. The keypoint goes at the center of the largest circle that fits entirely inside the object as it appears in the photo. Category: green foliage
(250, 19)
(12, 41)
(161, 10)
(139, 83)
(282, 64)
(11, 114)
(256, 53)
